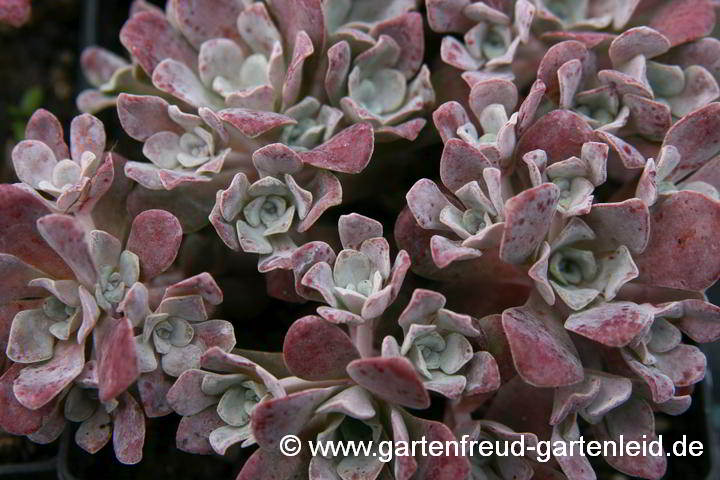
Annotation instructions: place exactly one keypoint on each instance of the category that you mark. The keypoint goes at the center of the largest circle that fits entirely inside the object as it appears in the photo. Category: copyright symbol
(290, 445)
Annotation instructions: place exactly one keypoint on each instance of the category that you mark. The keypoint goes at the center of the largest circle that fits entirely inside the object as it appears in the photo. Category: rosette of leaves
(257, 217)
(342, 396)
(355, 21)
(568, 69)
(360, 282)
(63, 292)
(68, 179)
(649, 341)
(656, 93)
(643, 346)
(488, 140)
(316, 123)
(443, 346)
(576, 178)
(241, 63)
(176, 334)
(585, 14)
(182, 147)
(234, 57)
(216, 402)
(579, 275)
(492, 34)
(384, 85)
(482, 221)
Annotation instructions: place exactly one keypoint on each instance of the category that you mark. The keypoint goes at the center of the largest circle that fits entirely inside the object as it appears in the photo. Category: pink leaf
(128, 430)
(612, 324)
(66, 235)
(561, 133)
(15, 418)
(45, 127)
(292, 16)
(527, 221)
(623, 223)
(683, 21)
(142, 116)
(270, 465)
(554, 58)
(682, 252)
(253, 123)
(635, 422)
(87, 134)
(271, 420)
(19, 236)
(201, 20)
(155, 237)
(407, 31)
(354, 229)
(391, 378)
(194, 430)
(117, 365)
(201, 284)
(542, 354)
(150, 38)
(348, 151)
(697, 138)
(317, 350)
(15, 12)
(186, 396)
(37, 385)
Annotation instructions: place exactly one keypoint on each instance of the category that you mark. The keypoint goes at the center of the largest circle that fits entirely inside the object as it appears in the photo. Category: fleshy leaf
(317, 350)
(391, 378)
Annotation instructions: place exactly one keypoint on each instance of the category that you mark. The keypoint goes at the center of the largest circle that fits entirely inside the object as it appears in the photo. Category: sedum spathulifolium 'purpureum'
(547, 279)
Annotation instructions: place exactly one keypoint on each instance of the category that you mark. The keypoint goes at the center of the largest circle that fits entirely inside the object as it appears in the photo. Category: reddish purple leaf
(348, 151)
(155, 237)
(623, 223)
(128, 430)
(15, 12)
(612, 324)
(317, 350)
(19, 236)
(142, 116)
(683, 252)
(117, 364)
(391, 378)
(15, 418)
(193, 431)
(201, 20)
(45, 127)
(67, 236)
(683, 21)
(271, 420)
(37, 385)
(542, 354)
(561, 133)
(150, 38)
(697, 138)
(527, 220)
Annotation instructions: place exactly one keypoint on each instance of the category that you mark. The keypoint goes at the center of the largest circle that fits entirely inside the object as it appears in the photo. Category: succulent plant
(14, 12)
(360, 282)
(385, 84)
(573, 222)
(492, 34)
(66, 177)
